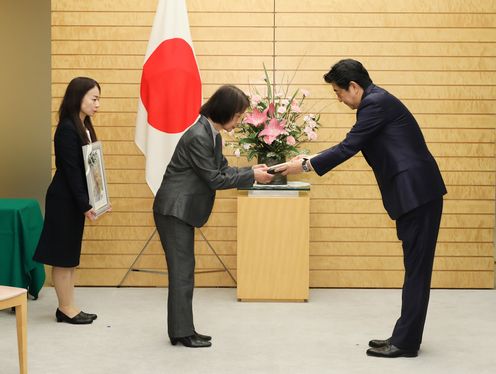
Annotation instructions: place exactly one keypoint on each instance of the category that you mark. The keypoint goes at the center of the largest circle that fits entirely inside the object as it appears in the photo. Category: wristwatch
(304, 165)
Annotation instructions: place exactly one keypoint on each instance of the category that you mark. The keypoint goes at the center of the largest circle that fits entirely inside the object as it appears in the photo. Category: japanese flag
(170, 91)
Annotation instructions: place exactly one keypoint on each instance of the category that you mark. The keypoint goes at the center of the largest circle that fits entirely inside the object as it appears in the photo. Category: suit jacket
(69, 181)
(197, 169)
(390, 139)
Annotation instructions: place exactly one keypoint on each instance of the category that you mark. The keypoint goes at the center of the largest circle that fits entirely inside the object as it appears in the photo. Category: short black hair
(345, 71)
(224, 104)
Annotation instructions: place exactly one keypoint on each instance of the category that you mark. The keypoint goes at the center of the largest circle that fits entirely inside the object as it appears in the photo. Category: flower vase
(278, 179)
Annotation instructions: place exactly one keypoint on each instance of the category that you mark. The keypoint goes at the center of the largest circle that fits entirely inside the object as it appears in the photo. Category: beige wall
(25, 99)
(437, 56)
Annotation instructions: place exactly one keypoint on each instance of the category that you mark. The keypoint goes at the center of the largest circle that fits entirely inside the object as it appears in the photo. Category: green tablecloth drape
(21, 223)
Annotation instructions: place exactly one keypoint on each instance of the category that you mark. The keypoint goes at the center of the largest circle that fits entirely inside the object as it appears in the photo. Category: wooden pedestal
(273, 248)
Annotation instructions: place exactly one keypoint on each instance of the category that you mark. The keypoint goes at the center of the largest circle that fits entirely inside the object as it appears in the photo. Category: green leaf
(267, 81)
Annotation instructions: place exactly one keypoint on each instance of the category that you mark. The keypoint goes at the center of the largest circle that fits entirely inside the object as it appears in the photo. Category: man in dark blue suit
(410, 182)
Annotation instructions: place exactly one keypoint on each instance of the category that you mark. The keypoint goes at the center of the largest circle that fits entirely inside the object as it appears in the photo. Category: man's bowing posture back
(410, 182)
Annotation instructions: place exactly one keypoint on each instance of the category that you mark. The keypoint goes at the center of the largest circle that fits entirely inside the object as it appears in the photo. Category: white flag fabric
(170, 90)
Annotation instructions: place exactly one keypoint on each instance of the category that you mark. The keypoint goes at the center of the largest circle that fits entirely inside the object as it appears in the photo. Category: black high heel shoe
(89, 315)
(192, 341)
(78, 319)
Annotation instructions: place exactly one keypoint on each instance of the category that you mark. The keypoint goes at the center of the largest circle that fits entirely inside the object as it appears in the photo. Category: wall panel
(438, 57)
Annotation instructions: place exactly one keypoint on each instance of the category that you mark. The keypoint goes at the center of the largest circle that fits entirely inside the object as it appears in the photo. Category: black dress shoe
(89, 315)
(204, 337)
(391, 351)
(192, 341)
(78, 319)
(377, 343)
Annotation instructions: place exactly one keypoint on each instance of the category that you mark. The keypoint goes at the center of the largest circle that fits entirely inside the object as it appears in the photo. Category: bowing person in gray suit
(185, 199)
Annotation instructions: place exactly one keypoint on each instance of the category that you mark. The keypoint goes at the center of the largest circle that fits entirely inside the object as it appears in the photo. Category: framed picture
(95, 177)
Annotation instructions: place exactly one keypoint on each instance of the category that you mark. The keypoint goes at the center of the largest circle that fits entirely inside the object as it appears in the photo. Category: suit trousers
(418, 231)
(177, 239)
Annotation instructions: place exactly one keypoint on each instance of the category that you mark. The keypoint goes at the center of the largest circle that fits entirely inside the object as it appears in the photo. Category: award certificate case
(95, 177)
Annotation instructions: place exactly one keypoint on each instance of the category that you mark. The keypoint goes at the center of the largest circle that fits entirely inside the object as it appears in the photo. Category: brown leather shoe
(192, 341)
(391, 351)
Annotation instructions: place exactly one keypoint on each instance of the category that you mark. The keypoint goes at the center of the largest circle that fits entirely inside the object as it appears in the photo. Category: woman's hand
(261, 176)
(260, 166)
(90, 214)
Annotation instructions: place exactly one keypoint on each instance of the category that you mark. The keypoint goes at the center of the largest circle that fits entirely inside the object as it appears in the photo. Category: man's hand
(294, 166)
(261, 176)
(300, 157)
(291, 167)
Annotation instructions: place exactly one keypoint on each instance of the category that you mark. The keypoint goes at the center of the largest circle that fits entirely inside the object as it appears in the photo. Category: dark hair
(224, 104)
(345, 71)
(70, 107)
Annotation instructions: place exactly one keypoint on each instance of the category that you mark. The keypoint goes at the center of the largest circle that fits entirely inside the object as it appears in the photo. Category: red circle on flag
(171, 86)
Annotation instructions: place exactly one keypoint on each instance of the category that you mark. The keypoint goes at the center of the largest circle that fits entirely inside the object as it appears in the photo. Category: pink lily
(272, 130)
(256, 118)
(290, 140)
(271, 109)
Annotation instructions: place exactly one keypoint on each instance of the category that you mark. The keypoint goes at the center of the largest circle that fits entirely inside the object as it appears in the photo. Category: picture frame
(95, 177)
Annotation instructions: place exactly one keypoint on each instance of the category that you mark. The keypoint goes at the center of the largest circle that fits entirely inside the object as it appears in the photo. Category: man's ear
(355, 88)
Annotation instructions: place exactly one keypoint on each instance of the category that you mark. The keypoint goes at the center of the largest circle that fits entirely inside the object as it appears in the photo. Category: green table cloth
(21, 223)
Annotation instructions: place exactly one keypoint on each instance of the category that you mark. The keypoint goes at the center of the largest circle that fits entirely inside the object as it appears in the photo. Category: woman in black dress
(67, 201)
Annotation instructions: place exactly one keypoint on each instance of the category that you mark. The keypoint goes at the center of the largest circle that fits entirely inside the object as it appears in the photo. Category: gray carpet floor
(329, 334)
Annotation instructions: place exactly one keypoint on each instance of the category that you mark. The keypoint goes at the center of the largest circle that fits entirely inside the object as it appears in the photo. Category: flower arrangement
(275, 124)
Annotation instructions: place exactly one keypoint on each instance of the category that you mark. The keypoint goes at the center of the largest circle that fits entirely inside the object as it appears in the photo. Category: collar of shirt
(214, 130)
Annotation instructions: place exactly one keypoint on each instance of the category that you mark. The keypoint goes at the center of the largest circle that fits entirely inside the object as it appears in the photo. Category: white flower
(237, 152)
(295, 107)
(246, 146)
(281, 109)
(309, 117)
(304, 92)
(312, 135)
(255, 99)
